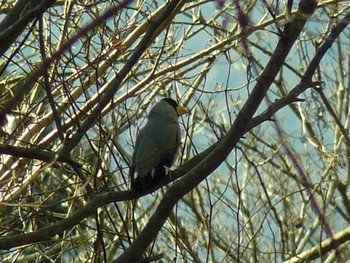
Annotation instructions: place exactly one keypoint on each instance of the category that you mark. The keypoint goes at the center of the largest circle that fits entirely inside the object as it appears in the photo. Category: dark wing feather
(152, 177)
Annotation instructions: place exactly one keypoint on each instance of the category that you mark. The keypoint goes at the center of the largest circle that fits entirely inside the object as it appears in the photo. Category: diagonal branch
(18, 18)
(306, 80)
(323, 248)
(48, 232)
(179, 188)
(35, 153)
(30, 81)
(227, 143)
(114, 86)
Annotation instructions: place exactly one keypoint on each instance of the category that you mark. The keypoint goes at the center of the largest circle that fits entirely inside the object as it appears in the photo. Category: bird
(156, 145)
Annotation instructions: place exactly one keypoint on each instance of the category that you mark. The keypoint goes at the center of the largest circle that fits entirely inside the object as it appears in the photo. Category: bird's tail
(150, 180)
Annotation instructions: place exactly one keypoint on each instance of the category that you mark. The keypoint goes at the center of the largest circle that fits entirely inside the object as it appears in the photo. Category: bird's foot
(168, 172)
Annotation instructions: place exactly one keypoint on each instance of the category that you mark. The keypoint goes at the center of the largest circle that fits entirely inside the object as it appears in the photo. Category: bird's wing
(156, 145)
(170, 153)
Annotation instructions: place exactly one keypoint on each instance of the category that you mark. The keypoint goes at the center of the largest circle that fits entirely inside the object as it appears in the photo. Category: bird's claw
(168, 172)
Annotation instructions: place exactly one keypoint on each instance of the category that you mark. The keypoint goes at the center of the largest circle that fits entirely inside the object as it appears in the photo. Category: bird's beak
(181, 110)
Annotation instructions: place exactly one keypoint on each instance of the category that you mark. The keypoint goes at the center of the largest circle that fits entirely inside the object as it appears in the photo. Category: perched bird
(156, 145)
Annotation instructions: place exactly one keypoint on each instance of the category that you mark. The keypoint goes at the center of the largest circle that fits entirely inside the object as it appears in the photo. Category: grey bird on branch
(156, 145)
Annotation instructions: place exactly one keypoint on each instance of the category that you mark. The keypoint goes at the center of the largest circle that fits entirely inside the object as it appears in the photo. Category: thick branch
(114, 86)
(192, 178)
(306, 80)
(227, 143)
(35, 153)
(48, 232)
(325, 247)
(209, 161)
(30, 81)
(18, 18)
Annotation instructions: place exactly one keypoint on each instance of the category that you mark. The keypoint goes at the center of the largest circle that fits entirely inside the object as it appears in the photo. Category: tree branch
(306, 80)
(227, 143)
(207, 164)
(30, 81)
(18, 18)
(48, 232)
(114, 86)
(325, 247)
(194, 177)
(35, 153)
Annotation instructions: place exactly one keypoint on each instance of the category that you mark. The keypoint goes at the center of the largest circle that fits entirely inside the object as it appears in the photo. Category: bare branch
(226, 144)
(17, 20)
(35, 153)
(323, 248)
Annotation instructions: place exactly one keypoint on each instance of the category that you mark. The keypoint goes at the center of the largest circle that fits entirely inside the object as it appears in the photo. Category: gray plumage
(156, 145)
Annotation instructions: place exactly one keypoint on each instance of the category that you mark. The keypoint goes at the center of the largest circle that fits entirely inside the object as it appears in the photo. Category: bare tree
(263, 169)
